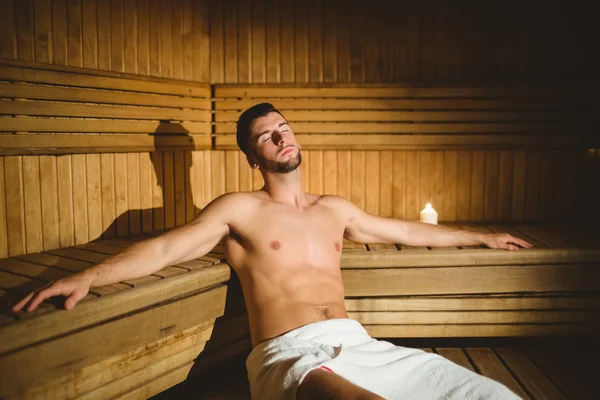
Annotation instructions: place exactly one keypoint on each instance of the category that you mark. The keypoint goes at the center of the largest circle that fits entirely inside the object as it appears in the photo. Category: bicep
(199, 236)
(369, 228)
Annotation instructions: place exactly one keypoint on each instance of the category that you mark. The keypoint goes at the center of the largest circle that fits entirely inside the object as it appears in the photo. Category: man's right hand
(74, 288)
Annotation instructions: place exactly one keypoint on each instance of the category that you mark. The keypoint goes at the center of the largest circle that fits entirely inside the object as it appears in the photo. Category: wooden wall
(52, 201)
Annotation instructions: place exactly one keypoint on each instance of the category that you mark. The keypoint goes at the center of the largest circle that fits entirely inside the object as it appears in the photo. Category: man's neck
(286, 188)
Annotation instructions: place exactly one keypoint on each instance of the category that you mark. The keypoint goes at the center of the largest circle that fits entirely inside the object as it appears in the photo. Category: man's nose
(278, 138)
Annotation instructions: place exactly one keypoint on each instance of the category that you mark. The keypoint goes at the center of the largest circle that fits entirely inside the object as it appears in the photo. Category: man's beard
(280, 167)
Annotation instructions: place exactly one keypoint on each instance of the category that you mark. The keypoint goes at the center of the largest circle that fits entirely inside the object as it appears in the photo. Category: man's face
(273, 146)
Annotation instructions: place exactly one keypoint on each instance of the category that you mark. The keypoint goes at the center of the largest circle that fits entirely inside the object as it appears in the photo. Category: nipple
(338, 247)
(275, 245)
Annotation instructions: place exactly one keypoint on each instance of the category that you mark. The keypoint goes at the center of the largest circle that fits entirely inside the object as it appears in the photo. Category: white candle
(429, 215)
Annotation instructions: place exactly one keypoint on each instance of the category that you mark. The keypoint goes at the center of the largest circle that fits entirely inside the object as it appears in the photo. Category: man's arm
(363, 227)
(184, 243)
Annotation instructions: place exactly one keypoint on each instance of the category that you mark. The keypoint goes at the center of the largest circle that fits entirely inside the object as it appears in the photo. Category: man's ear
(253, 164)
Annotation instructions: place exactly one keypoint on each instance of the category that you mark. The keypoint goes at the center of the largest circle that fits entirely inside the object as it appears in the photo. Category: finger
(47, 293)
(73, 299)
(512, 247)
(17, 307)
(521, 243)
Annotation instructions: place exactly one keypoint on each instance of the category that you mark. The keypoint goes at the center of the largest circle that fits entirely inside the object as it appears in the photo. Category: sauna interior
(117, 122)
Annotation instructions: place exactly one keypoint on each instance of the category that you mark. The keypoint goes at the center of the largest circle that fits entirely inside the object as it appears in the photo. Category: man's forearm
(422, 234)
(138, 260)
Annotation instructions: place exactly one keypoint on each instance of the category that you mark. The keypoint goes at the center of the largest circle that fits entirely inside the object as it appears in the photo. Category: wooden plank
(478, 256)
(450, 183)
(242, 101)
(3, 214)
(89, 19)
(519, 185)
(33, 206)
(505, 182)
(455, 280)
(27, 124)
(372, 184)
(455, 355)
(169, 189)
(133, 193)
(146, 184)
(491, 183)
(398, 91)
(74, 29)
(230, 42)
(25, 35)
(429, 128)
(100, 80)
(300, 25)
(159, 384)
(123, 364)
(399, 181)
(569, 301)
(544, 237)
(59, 33)
(358, 176)
(533, 188)
(207, 306)
(315, 141)
(65, 200)
(474, 317)
(78, 254)
(486, 330)
(107, 179)
(564, 377)
(477, 185)
(42, 13)
(180, 179)
(94, 195)
(8, 24)
(344, 160)
(362, 115)
(315, 42)
(386, 177)
(158, 216)
(412, 186)
(61, 144)
(30, 270)
(534, 380)
(49, 199)
(47, 108)
(121, 207)
(490, 366)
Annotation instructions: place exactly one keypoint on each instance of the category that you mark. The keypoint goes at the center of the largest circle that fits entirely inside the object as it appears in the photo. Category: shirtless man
(285, 246)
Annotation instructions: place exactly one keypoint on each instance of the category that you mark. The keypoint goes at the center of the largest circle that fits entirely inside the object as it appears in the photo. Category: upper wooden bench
(57, 110)
(388, 117)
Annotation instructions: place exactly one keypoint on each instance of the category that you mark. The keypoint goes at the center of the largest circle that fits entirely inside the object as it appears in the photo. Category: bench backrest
(85, 109)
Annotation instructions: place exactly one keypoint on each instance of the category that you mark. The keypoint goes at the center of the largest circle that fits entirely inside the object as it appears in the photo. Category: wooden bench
(131, 339)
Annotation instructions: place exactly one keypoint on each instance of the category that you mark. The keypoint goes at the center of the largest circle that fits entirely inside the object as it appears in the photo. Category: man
(285, 246)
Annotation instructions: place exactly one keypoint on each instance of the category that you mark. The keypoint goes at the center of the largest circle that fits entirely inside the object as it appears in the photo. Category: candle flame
(428, 205)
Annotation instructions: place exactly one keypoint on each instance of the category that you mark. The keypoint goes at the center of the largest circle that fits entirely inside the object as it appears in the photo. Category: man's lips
(286, 151)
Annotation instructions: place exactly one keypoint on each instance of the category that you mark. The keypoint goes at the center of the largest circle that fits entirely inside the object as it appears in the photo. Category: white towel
(277, 366)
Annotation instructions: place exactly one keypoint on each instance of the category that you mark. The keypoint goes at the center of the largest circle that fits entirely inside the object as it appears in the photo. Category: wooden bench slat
(529, 128)
(358, 91)
(516, 233)
(534, 380)
(490, 366)
(82, 79)
(142, 280)
(6, 319)
(30, 270)
(285, 105)
(159, 384)
(72, 110)
(78, 254)
(348, 245)
(580, 236)
(475, 302)
(425, 142)
(71, 125)
(471, 280)
(422, 116)
(52, 260)
(109, 143)
(100, 248)
(483, 330)
(475, 317)
(74, 94)
(560, 373)
(547, 239)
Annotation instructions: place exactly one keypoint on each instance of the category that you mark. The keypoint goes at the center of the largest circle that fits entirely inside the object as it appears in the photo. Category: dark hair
(247, 119)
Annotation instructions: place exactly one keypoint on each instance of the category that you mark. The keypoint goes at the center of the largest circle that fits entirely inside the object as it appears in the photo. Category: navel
(275, 245)
(338, 247)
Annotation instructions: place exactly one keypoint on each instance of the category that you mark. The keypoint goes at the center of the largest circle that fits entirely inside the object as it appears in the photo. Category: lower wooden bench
(129, 340)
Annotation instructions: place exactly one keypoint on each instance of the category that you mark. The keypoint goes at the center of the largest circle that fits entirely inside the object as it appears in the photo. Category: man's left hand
(505, 241)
